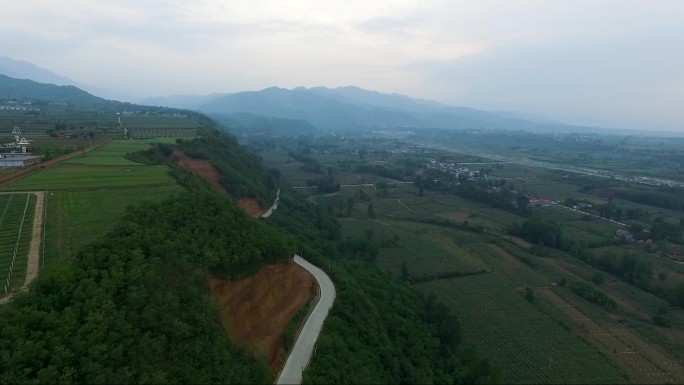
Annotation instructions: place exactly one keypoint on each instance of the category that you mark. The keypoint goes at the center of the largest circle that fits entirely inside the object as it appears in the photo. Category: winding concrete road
(306, 340)
(303, 348)
(273, 207)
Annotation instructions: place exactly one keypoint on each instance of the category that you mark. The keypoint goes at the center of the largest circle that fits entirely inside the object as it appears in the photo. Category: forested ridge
(135, 307)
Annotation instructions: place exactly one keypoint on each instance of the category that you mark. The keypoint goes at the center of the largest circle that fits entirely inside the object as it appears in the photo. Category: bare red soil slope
(257, 309)
(204, 169)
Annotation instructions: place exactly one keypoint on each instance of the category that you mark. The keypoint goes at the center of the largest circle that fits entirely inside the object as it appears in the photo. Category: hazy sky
(616, 63)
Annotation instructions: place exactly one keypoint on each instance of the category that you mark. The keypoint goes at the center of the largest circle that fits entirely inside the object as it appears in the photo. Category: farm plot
(112, 154)
(78, 217)
(16, 224)
(524, 342)
(643, 364)
(390, 207)
(104, 167)
(425, 249)
(65, 176)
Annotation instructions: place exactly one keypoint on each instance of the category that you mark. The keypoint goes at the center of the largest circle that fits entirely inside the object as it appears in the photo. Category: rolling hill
(12, 88)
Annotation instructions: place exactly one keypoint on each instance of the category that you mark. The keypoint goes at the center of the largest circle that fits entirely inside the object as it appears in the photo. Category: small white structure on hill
(17, 154)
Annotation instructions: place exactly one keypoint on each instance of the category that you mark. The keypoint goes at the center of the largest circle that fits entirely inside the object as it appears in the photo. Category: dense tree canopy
(135, 307)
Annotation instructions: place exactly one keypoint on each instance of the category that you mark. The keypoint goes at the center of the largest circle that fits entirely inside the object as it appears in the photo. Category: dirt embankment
(206, 171)
(257, 309)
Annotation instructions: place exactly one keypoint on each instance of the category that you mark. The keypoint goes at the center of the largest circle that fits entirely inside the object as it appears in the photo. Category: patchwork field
(460, 249)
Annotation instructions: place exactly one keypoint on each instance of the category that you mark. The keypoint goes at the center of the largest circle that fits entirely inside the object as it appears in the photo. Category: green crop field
(16, 224)
(100, 168)
(523, 341)
(112, 153)
(425, 249)
(77, 176)
(76, 218)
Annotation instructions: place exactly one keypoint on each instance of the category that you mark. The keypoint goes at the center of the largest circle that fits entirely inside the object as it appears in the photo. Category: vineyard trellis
(15, 237)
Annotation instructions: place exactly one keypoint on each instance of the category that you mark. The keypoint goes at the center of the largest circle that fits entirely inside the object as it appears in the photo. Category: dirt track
(32, 266)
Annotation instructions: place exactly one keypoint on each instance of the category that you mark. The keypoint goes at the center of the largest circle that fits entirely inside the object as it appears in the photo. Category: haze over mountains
(352, 108)
(20, 69)
(305, 110)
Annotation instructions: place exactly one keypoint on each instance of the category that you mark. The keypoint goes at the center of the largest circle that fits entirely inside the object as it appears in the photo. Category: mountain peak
(20, 69)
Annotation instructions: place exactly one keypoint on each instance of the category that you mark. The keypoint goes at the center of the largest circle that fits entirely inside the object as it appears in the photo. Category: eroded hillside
(256, 310)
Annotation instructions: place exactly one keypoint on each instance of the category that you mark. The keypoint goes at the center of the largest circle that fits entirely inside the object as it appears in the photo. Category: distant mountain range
(298, 110)
(353, 108)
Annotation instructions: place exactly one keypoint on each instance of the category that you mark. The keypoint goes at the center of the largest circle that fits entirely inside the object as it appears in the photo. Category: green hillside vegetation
(135, 307)
(379, 329)
(410, 339)
(241, 172)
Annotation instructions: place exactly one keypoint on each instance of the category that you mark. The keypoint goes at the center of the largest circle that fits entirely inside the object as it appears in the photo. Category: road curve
(274, 207)
(304, 346)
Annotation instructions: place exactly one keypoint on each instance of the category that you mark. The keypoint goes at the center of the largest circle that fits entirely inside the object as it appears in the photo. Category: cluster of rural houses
(452, 167)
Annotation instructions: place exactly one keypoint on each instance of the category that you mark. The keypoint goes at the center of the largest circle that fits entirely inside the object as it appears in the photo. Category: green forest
(135, 307)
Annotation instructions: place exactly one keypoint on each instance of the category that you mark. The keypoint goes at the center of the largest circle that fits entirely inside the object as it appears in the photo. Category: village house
(624, 235)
